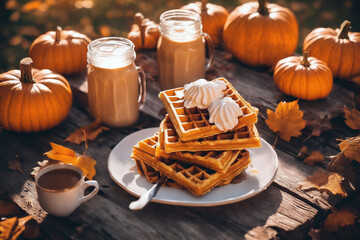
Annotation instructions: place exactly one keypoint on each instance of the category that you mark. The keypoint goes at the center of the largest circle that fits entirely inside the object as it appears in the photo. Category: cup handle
(210, 47)
(142, 84)
(85, 185)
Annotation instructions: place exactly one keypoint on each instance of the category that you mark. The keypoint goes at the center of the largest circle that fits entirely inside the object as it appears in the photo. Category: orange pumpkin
(144, 34)
(303, 77)
(213, 18)
(33, 100)
(339, 48)
(261, 34)
(62, 51)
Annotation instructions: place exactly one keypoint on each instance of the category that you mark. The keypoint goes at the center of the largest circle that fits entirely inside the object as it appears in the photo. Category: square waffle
(244, 137)
(193, 123)
(151, 175)
(198, 180)
(215, 160)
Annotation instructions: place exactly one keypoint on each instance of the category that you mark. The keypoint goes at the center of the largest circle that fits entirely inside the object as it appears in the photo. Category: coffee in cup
(61, 187)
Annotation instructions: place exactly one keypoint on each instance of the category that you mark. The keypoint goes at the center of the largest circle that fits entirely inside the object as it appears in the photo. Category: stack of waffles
(193, 153)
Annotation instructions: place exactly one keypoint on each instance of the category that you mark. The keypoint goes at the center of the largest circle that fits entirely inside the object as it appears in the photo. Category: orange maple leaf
(68, 156)
(351, 148)
(286, 120)
(324, 180)
(352, 118)
(11, 228)
(338, 219)
(314, 157)
(91, 132)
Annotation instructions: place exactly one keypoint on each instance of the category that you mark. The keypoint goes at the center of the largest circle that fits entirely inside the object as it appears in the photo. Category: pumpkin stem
(344, 30)
(203, 5)
(139, 20)
(58, 34)
(25, 70)
(262, 8)
(305, 62)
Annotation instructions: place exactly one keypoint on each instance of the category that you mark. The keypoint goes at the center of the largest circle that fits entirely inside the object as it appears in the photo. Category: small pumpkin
(144, 34)
(213, 18)
(62, 51)
(339, 48)
(260, 34)
(33, 100)
(303, 77)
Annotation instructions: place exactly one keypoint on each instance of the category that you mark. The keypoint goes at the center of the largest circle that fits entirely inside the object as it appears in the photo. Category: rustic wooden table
(281, 210)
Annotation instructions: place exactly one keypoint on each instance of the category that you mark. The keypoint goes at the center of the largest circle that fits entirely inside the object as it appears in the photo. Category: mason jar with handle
(116, 87)
(181, 49)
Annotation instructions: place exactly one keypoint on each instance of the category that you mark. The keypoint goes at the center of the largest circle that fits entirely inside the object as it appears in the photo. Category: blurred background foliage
(23, 20)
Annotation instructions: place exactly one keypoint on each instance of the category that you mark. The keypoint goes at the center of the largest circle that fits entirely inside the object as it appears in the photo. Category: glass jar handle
(210, 46)
(142, 84)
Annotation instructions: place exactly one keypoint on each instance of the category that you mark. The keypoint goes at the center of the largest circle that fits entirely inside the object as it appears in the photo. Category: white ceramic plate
(260, 174)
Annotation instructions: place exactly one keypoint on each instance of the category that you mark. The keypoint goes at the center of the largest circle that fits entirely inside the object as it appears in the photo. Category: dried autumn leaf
(286, 120)
(324, 180)
(61, 153)
(303, 152)
(319, 125)
(351, 148)
(15, 164)
(91, 132)
(87, 165)
(352, 118)
(7, 226)
(314, 157)
(66, 155)
(20, 227)
(338, 219)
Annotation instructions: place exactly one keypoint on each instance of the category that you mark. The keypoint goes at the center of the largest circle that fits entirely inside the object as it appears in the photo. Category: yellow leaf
(352, 118)
(338, 219)
(87, 165)
(351, 148)
(324, 180)
(314, 157)
(286, 120)
(68, 156)
(7, 226)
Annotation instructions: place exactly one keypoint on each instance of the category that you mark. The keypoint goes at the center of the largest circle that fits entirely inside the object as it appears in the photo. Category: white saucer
(259, 175)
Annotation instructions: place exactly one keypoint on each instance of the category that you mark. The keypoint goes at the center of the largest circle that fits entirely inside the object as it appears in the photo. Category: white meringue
(224, 113)
(202, 93)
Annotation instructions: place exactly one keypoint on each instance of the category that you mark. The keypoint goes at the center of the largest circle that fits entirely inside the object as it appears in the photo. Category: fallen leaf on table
(352, 118)
(20, 227)
(303, 152)
(8, 208)
(15, 164)
(314, 157)
(338, 219)
(351, 148)
(319, 125)
(7, 226)
(324, 180)
(66, 155)
(286, 120)
(91, 132)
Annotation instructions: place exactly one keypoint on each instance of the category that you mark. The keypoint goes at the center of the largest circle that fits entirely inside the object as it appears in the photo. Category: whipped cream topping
(202, 93)
(224, 113)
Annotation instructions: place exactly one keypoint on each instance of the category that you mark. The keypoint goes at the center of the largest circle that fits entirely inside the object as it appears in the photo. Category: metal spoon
(147, 196)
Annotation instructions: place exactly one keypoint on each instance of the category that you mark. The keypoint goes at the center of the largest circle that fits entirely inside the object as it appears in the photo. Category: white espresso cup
(61, 189)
